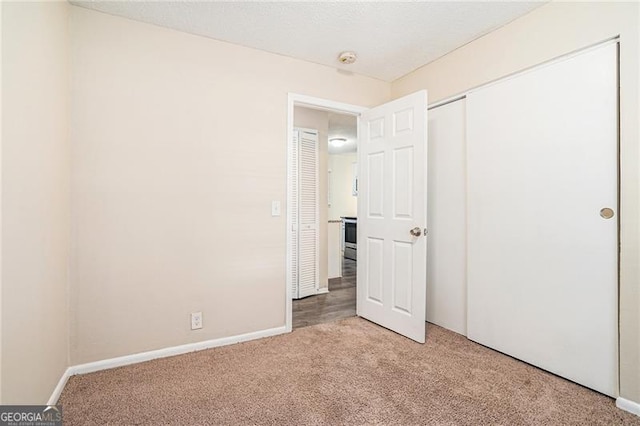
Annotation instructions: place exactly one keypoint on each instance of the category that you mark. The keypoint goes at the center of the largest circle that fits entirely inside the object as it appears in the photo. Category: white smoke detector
(348, 57)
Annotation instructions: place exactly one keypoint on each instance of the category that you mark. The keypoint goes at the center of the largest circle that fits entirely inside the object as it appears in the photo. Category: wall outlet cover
(196, 320)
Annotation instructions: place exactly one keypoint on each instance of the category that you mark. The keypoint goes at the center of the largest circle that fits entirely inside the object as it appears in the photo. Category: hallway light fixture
(337, 142)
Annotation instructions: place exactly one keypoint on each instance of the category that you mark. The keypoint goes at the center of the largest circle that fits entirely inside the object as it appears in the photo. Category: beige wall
(343, 202)
(319, 120)
(547, 32)
(35, 200)
(178, 147)
(1, 131)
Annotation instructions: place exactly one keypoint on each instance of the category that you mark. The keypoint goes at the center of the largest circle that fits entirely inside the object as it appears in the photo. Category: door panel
(375, 189)
(402, 183)
(392, 201)
(402, 265)
(373, 263)
(542, 262)
(447, 210)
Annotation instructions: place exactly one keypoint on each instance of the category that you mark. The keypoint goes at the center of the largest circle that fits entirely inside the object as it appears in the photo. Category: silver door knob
(416, 232)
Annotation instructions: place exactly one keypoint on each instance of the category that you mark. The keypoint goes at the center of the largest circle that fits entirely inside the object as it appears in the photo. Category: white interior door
(542, 260)
(447, 213)
(392, 215)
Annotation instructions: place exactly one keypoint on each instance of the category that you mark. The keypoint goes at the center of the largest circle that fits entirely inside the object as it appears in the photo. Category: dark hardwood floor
(339, 303)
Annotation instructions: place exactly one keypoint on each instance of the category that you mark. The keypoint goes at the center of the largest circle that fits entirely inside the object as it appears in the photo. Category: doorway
(339, 302)
(391, 282)
(323, 214)
(317, 104)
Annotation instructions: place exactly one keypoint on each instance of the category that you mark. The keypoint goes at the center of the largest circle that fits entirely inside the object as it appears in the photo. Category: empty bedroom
(230, 212)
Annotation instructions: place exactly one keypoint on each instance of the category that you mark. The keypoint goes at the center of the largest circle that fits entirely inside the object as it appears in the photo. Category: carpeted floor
(347, 372)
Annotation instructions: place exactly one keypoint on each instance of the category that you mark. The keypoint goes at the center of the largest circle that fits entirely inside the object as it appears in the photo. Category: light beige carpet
(348, 372)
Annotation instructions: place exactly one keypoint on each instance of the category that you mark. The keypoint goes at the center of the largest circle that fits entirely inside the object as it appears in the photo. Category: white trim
(628, 405)
(55, 395)
(324, 290)
(288, 320)
(324, 104)
(571, 54)
(106, 364)
(294, 99)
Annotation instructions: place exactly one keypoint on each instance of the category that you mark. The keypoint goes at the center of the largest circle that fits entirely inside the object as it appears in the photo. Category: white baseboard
(322, 290)
(172, 351)
(628, 405)
(53, 400)
(106, 364)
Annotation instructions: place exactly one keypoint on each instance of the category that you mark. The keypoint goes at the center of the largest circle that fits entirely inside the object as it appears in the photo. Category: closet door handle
(606, 213)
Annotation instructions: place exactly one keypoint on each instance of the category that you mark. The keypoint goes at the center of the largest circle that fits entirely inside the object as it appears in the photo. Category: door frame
(294, 100)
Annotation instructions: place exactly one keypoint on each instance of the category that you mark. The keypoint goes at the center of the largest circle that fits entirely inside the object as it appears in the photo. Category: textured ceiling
(390, 38)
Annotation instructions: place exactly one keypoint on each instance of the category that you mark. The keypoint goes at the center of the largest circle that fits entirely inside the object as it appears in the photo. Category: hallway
(338, 304)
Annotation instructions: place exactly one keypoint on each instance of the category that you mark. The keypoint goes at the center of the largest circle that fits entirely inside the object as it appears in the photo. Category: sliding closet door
(446, 211)
(543, 216)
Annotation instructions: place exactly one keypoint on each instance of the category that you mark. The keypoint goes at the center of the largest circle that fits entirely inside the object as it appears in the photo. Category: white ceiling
(391, 38)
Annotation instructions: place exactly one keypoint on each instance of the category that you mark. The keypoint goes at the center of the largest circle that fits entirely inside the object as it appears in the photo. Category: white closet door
(447, 238)
(308, 214)
(293, 207)
(542, 261)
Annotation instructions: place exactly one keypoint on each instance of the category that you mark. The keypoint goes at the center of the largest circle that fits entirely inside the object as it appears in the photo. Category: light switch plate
(275, 208)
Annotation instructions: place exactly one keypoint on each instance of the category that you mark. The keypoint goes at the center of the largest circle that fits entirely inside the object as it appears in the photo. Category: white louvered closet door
(305, 213)
(293, 208)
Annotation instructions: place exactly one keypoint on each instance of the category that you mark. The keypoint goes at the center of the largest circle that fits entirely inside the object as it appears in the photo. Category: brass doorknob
(606, 213)
(416, 232)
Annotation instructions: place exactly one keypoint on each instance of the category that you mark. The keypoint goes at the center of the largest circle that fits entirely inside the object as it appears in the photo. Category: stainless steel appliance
(350, 225)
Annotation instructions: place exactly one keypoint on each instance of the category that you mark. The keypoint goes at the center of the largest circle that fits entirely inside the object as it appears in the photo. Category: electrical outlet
(196, 320)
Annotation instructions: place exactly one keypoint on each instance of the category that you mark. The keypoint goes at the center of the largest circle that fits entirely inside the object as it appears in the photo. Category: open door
(392, 215)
